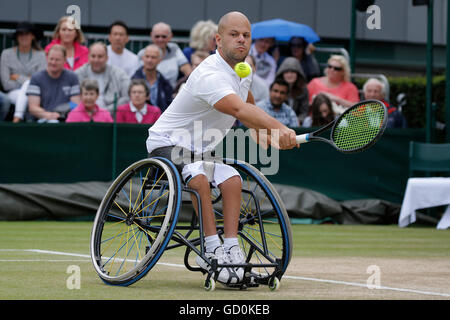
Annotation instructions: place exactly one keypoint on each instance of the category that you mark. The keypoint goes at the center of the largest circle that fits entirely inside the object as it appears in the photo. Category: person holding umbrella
(300, 37)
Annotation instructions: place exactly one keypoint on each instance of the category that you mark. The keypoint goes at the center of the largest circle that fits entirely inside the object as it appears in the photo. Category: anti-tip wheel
(210, 285)
(274, 284)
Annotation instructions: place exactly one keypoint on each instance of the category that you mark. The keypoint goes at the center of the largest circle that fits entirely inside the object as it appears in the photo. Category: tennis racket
(358, 128)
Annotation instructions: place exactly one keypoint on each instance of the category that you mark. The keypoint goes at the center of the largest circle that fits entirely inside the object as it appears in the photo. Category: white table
(424, 193)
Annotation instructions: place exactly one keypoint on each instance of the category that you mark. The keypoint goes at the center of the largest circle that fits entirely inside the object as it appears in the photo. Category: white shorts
(215, 172)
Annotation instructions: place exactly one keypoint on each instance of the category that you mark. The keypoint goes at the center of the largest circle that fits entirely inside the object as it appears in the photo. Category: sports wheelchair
(138, 219)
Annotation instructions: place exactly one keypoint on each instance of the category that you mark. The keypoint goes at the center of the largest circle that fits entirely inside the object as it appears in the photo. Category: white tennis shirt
(191, 121)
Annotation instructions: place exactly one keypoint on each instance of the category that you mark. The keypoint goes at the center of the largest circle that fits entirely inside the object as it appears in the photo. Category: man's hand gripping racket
(358, 128)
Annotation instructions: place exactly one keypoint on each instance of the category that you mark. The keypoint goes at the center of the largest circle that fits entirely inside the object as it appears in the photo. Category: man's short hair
(139, 82)
(119, 23)
(162, 24)
(90, 85)
(58, 47)
(102, 44)
(376, 81)
(152, 45)
(280, 82)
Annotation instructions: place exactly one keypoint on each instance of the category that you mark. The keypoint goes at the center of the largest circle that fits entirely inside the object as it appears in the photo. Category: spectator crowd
(68, 81)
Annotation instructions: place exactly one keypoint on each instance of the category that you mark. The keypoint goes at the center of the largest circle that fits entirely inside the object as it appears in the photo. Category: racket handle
(302, 138)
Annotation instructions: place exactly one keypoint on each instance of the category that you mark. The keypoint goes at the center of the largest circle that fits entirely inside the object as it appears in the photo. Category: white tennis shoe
(226, 275)
(236, 255)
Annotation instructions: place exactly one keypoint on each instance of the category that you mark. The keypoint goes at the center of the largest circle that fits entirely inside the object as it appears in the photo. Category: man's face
(151, 58)
(235, 40)
(98, 58)
(264, 44)
(373, 91)
(118, 37)
(55, 61)
(278, 94)
(161, 36)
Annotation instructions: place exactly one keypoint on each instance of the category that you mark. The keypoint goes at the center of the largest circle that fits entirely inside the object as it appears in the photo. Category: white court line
(42, 260)
(355, 284)
(365, 286)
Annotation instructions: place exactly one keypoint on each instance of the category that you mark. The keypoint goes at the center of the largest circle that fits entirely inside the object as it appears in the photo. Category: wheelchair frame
(171, 235)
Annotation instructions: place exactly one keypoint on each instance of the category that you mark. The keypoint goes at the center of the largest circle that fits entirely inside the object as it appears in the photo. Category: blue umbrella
(283, 30)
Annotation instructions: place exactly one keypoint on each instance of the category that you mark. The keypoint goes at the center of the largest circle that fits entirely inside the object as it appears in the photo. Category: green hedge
(415, 90)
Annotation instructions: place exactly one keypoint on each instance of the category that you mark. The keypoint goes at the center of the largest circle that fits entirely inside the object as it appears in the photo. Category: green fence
(74, 152)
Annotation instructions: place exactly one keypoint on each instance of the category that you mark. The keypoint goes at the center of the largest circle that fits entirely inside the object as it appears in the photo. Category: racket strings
(359, 127)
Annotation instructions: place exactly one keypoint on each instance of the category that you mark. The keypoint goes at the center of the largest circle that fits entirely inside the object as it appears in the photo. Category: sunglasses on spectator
(161, 36)
(334, 67)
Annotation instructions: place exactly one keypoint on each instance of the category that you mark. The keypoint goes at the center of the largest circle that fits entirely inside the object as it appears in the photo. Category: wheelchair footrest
(250, 279)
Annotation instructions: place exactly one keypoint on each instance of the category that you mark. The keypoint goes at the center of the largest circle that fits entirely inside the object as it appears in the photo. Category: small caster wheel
(274, 284)
(210, 285)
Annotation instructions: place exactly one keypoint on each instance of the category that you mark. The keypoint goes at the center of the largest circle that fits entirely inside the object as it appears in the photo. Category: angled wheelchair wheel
(135, 221)
(264, 229)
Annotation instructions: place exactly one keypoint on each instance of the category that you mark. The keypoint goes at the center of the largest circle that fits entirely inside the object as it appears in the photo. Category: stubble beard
(234, 57)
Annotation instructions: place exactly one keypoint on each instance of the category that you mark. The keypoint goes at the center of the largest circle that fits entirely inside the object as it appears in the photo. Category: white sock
(211, 243)
(230, 242)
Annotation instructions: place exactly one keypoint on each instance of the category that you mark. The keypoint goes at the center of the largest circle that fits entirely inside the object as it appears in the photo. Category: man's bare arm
(186, 69)
(256, 118)
(34, 103)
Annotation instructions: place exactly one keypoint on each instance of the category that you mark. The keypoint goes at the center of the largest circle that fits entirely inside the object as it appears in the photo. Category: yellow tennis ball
(242, 69)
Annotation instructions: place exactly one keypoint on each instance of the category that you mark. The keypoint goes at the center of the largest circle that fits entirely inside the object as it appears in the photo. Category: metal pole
(447, 80)
(352, 36)
(429, 88)
(114, 139)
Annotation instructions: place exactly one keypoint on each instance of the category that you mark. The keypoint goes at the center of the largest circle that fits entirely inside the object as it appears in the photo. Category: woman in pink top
(336, 83)
(138, 111)
(88, 110)
(70, 37)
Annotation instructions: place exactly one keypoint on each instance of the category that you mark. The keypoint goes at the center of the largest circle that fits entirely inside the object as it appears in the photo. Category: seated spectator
(266, 65)
(19, 62)
(276, 107)
(197, 57)
(258, 88)
(202, 38)
(113, 81)
(374, 89)
(138, 111)
(52, 87)
(321, 112)
(172, 58)
(88, 110)
(336, 84)
(71, 38)
(160, 89)
(291, 71)
(118, 55)
(302, 51)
